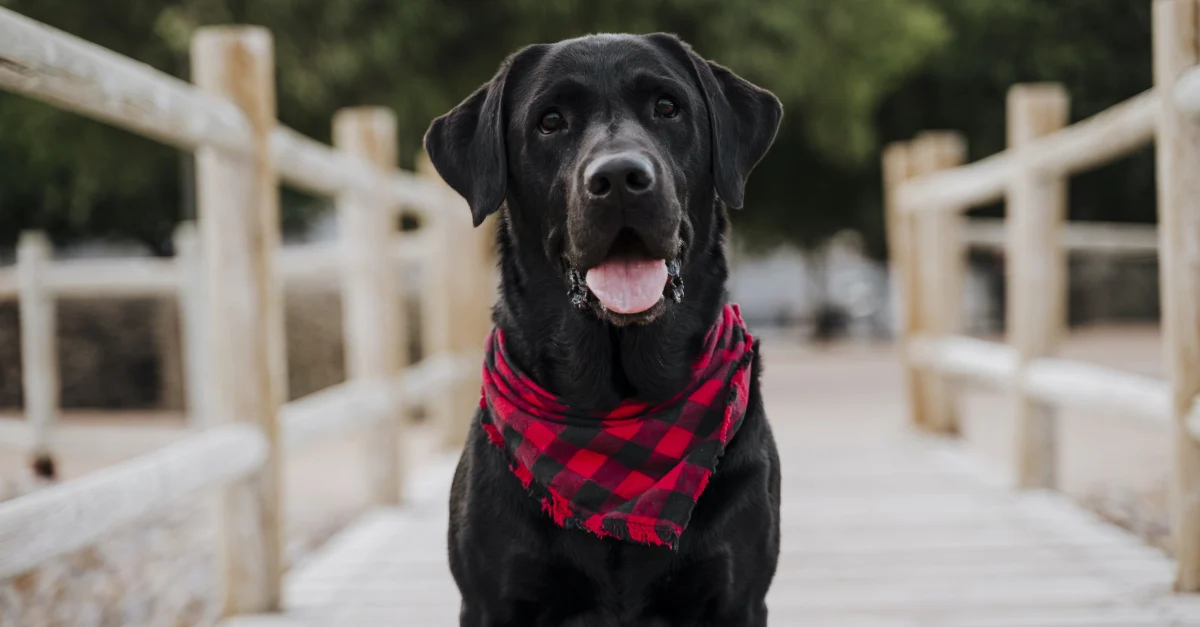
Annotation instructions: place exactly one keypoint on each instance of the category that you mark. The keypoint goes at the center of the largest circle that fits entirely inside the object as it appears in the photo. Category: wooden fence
(228, 275)
(37, 281)
(927, 190)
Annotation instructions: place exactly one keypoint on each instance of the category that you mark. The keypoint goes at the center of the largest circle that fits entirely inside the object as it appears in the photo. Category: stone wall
(119, 582)
(125, 353)
(1100, 288)
(108, 354)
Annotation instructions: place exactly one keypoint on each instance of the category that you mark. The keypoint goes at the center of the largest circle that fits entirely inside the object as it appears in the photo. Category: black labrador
(594, 149)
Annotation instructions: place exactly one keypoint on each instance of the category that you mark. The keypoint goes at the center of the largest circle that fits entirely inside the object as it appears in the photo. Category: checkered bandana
(636, 472)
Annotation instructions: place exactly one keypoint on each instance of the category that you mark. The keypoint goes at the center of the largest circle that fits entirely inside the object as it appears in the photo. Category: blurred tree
(833, 59)
(848, 71)
(1101, 52)
(70, 176)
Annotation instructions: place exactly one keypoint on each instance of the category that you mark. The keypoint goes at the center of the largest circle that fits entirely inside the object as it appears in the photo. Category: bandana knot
(633, 473)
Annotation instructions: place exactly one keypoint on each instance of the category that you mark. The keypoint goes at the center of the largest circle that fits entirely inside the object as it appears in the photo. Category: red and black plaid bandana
(636, 472)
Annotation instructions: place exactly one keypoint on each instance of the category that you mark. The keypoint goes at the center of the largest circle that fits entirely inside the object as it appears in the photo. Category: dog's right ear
(467, 145)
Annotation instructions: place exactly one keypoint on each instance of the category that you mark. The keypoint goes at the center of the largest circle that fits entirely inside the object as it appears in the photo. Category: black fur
(514, 567)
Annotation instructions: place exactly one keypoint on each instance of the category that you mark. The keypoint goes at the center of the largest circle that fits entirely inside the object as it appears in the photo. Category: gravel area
(163, 573)
(159, 574)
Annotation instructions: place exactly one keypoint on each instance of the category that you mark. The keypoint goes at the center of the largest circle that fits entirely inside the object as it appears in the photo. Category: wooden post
(191, 323)
(168, 341)
(897, 169)
(1037, 273)
(371, 311)
(488, 266)
(481, 300)
(439, 271)
(462, 283)
(486, 271)
(238, 208)
(938, 260)
(1177, 48)
(39, 351)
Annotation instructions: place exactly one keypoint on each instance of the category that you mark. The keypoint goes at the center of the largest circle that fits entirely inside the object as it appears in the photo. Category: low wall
(125, 353)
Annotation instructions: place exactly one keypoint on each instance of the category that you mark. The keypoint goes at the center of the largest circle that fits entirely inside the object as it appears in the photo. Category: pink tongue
(628, 286)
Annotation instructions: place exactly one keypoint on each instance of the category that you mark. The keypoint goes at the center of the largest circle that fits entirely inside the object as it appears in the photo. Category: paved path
(882, 528)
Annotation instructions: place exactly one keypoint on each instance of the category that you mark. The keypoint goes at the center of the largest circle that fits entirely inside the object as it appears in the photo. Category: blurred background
(809, 260)
(853, 75)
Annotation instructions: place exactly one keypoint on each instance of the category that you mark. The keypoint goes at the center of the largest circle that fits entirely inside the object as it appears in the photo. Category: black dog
(613, 158)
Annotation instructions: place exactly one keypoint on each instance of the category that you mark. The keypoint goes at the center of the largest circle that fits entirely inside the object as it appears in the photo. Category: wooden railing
(37, 281)
(228, 275)
(927, 190)
(1112, 239)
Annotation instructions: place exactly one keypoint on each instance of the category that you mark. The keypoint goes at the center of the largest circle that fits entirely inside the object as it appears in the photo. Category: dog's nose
(628, 172)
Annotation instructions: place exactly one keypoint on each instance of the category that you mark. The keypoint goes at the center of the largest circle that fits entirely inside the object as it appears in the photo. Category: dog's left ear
(744, 119)
(467, 145)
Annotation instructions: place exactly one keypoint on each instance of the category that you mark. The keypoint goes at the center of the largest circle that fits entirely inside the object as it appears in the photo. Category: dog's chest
(632, 584)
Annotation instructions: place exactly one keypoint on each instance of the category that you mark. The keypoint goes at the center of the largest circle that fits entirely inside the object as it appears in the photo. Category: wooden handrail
(1095, 141)
(358, 404)
(317, 261)
(151, 276)
(74, 514)
(991, 363)
(314, 167)
(1106, 136)
(956, 189)
(75, 75)
(1075, 383)
(304, 421)
(1063, 382)
(111, 277)
(1112, 238)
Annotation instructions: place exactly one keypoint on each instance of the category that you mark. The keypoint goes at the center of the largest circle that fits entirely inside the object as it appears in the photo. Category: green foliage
(849, 72)
(1101, 52)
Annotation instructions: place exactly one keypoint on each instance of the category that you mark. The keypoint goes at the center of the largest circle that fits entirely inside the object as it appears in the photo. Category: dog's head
(609, 152)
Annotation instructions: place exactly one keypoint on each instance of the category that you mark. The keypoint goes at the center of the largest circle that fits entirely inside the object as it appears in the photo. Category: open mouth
(629, 280)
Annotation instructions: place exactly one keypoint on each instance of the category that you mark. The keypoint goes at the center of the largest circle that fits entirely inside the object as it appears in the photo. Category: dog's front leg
(753, 615)
(473, 615)
(476, 615)
(756, 617)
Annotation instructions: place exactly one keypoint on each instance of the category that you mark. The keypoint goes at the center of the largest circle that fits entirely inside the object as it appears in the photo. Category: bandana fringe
(558, 508)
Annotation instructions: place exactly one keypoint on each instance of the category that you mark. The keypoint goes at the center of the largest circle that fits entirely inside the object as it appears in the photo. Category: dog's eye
(666, 107)
(552, 121)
